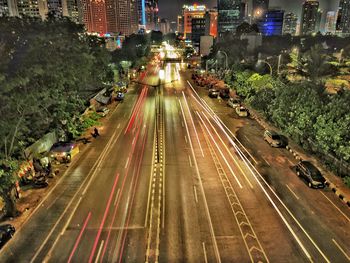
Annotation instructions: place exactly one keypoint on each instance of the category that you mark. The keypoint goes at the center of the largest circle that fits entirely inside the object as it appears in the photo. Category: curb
(332, 186)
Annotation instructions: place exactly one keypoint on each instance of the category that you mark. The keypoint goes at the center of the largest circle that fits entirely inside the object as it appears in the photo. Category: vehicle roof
(309, 166)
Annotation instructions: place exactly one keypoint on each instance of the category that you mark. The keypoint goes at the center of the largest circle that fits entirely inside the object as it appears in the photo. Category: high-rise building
(229, 15)
(4, 8)
(164, 26)
(330, 22)
(55, 7)
(260, 7)
(211, 23)
(110, 16)
(33, 8)
(190, 12)
(180, 24)
(271, 24)
(290, 23)
(151, 14)
(343, 19)
(71, 9)
(173, 26)
(310, 17)
(198, 30)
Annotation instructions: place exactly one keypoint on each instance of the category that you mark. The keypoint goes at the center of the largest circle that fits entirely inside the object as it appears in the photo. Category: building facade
(180, 24)
(331, 19)
(310, 17)
(260, 7)
(198, 30)
(229, 15)
(211, 23)
(190, 12)
(343, 19)
(151, 14)
(290, 23)
(110, 16)
(271, 24)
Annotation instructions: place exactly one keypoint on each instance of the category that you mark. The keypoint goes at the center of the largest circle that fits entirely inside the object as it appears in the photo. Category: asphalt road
(169, 181)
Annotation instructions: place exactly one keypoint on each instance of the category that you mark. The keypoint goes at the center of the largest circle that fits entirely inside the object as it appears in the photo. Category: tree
(332, 126)
(7, 182)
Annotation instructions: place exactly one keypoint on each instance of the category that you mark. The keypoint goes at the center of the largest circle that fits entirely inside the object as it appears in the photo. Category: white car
(242, 112)
(233, 103)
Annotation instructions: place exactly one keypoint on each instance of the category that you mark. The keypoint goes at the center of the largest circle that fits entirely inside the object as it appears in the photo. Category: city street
(169, 181)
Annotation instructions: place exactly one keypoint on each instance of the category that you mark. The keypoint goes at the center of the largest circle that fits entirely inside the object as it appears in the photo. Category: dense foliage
(302, 110)
(48, 69)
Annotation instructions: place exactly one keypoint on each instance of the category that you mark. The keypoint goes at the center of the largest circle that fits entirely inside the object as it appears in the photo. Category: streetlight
(226, 64)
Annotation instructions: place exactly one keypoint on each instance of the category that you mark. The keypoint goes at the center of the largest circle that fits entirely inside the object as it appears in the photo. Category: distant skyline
(171, 8)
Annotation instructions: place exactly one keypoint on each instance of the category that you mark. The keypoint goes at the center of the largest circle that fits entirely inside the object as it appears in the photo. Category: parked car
(6, 233)
(242, 112)
(120, 96)
(233, 103)
(63, 151)
(224, 94)
(312, 176)
(213, 93)
(273, 138)
(103, 112)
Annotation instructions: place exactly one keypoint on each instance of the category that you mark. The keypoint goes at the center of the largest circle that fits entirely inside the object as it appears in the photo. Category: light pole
(226, 63)
(279, 64)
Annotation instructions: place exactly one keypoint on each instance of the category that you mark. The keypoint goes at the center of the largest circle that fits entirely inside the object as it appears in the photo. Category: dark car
(312, 176)
(6, 233)
(214, 93)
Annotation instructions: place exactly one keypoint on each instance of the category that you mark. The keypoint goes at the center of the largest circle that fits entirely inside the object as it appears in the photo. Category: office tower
(33, 8)
(4, 8)
(260, 7)
(164, 26)
(290, 23)
(180, 24)
(151, 14)
(343, 19)
(229, 16)
(190, 12)
(330, 22)
(271, 24)
(110, 16)
(211, 23)
(310, 17)
(318, 20)
(198, 30)
(55, 7)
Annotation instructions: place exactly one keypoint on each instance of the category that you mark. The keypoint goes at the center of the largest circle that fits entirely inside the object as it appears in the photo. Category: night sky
(171, 8)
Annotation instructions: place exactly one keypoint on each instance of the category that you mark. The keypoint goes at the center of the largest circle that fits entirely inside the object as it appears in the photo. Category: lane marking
(247, 138)
(341, 249)
(295, 195)
(215, 245)
(205, 253)
(186, 139)
(189, 160)
(118, 126)
(79, 237)
(347, 218)
(89, 178)
(266, 161)
(194, 127)
(221, 153)
(195, 194)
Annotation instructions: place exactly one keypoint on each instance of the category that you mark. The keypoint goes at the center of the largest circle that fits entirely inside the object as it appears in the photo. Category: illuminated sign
(195, 7)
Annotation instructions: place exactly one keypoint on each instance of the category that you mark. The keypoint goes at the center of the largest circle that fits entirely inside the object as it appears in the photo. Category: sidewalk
(335, 183)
